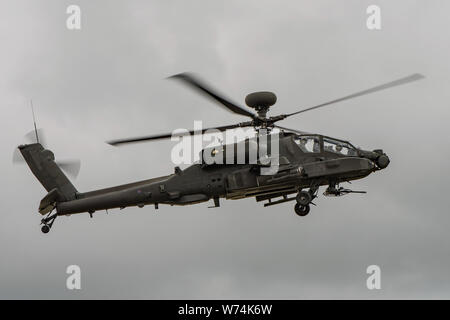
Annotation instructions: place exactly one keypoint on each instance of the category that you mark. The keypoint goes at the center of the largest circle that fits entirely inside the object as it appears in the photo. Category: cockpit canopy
(308, 144)
(318, 143)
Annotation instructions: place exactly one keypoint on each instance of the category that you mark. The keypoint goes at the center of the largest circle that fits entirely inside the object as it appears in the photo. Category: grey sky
(107, 81)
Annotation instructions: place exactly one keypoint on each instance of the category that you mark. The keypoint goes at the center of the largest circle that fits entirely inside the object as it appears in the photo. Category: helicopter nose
(379, 158)
(383, 161)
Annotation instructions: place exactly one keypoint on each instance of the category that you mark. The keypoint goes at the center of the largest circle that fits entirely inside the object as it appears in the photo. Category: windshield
(338, 147)
(308, 144)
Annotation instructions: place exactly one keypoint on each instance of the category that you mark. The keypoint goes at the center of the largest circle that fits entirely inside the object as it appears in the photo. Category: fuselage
(304, 160)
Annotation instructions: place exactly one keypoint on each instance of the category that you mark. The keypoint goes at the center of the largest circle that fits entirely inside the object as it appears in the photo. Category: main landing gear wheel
(304, 198)
(301, 210)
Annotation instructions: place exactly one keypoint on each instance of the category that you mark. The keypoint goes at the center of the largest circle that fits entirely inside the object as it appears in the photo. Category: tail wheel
(48, 222)
(301, 210)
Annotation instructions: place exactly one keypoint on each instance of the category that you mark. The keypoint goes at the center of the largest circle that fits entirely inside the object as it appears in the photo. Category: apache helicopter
(306, 161)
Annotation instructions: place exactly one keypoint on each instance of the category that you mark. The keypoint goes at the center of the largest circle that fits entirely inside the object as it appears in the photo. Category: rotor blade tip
(180, 75)
(112, 143)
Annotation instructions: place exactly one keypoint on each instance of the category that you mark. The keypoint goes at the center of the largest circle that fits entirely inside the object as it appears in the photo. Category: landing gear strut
(48, 222)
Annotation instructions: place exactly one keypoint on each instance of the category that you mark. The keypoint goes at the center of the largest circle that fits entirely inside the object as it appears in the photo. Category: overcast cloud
(107, 81)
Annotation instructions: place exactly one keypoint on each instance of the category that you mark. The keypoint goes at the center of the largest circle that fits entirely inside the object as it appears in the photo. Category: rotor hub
(261, 102)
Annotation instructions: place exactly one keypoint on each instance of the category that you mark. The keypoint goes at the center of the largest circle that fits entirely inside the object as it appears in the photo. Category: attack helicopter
(304, 162)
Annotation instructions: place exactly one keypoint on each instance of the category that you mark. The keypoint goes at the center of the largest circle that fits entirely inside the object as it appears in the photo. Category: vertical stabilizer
(42, 163)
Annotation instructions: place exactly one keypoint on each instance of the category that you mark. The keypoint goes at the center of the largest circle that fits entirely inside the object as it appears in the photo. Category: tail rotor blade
(71, 167)
(30, 137)
(17, 157)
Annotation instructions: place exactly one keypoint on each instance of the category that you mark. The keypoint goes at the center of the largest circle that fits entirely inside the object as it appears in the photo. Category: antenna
(34, 122)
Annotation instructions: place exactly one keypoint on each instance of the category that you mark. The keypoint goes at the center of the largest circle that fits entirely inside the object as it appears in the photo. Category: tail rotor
(69, 166)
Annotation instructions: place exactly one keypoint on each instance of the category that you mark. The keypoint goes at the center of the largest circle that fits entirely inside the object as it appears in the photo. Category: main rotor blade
(208, 91)
(292, 130)
(405, 80)
(169, 135)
